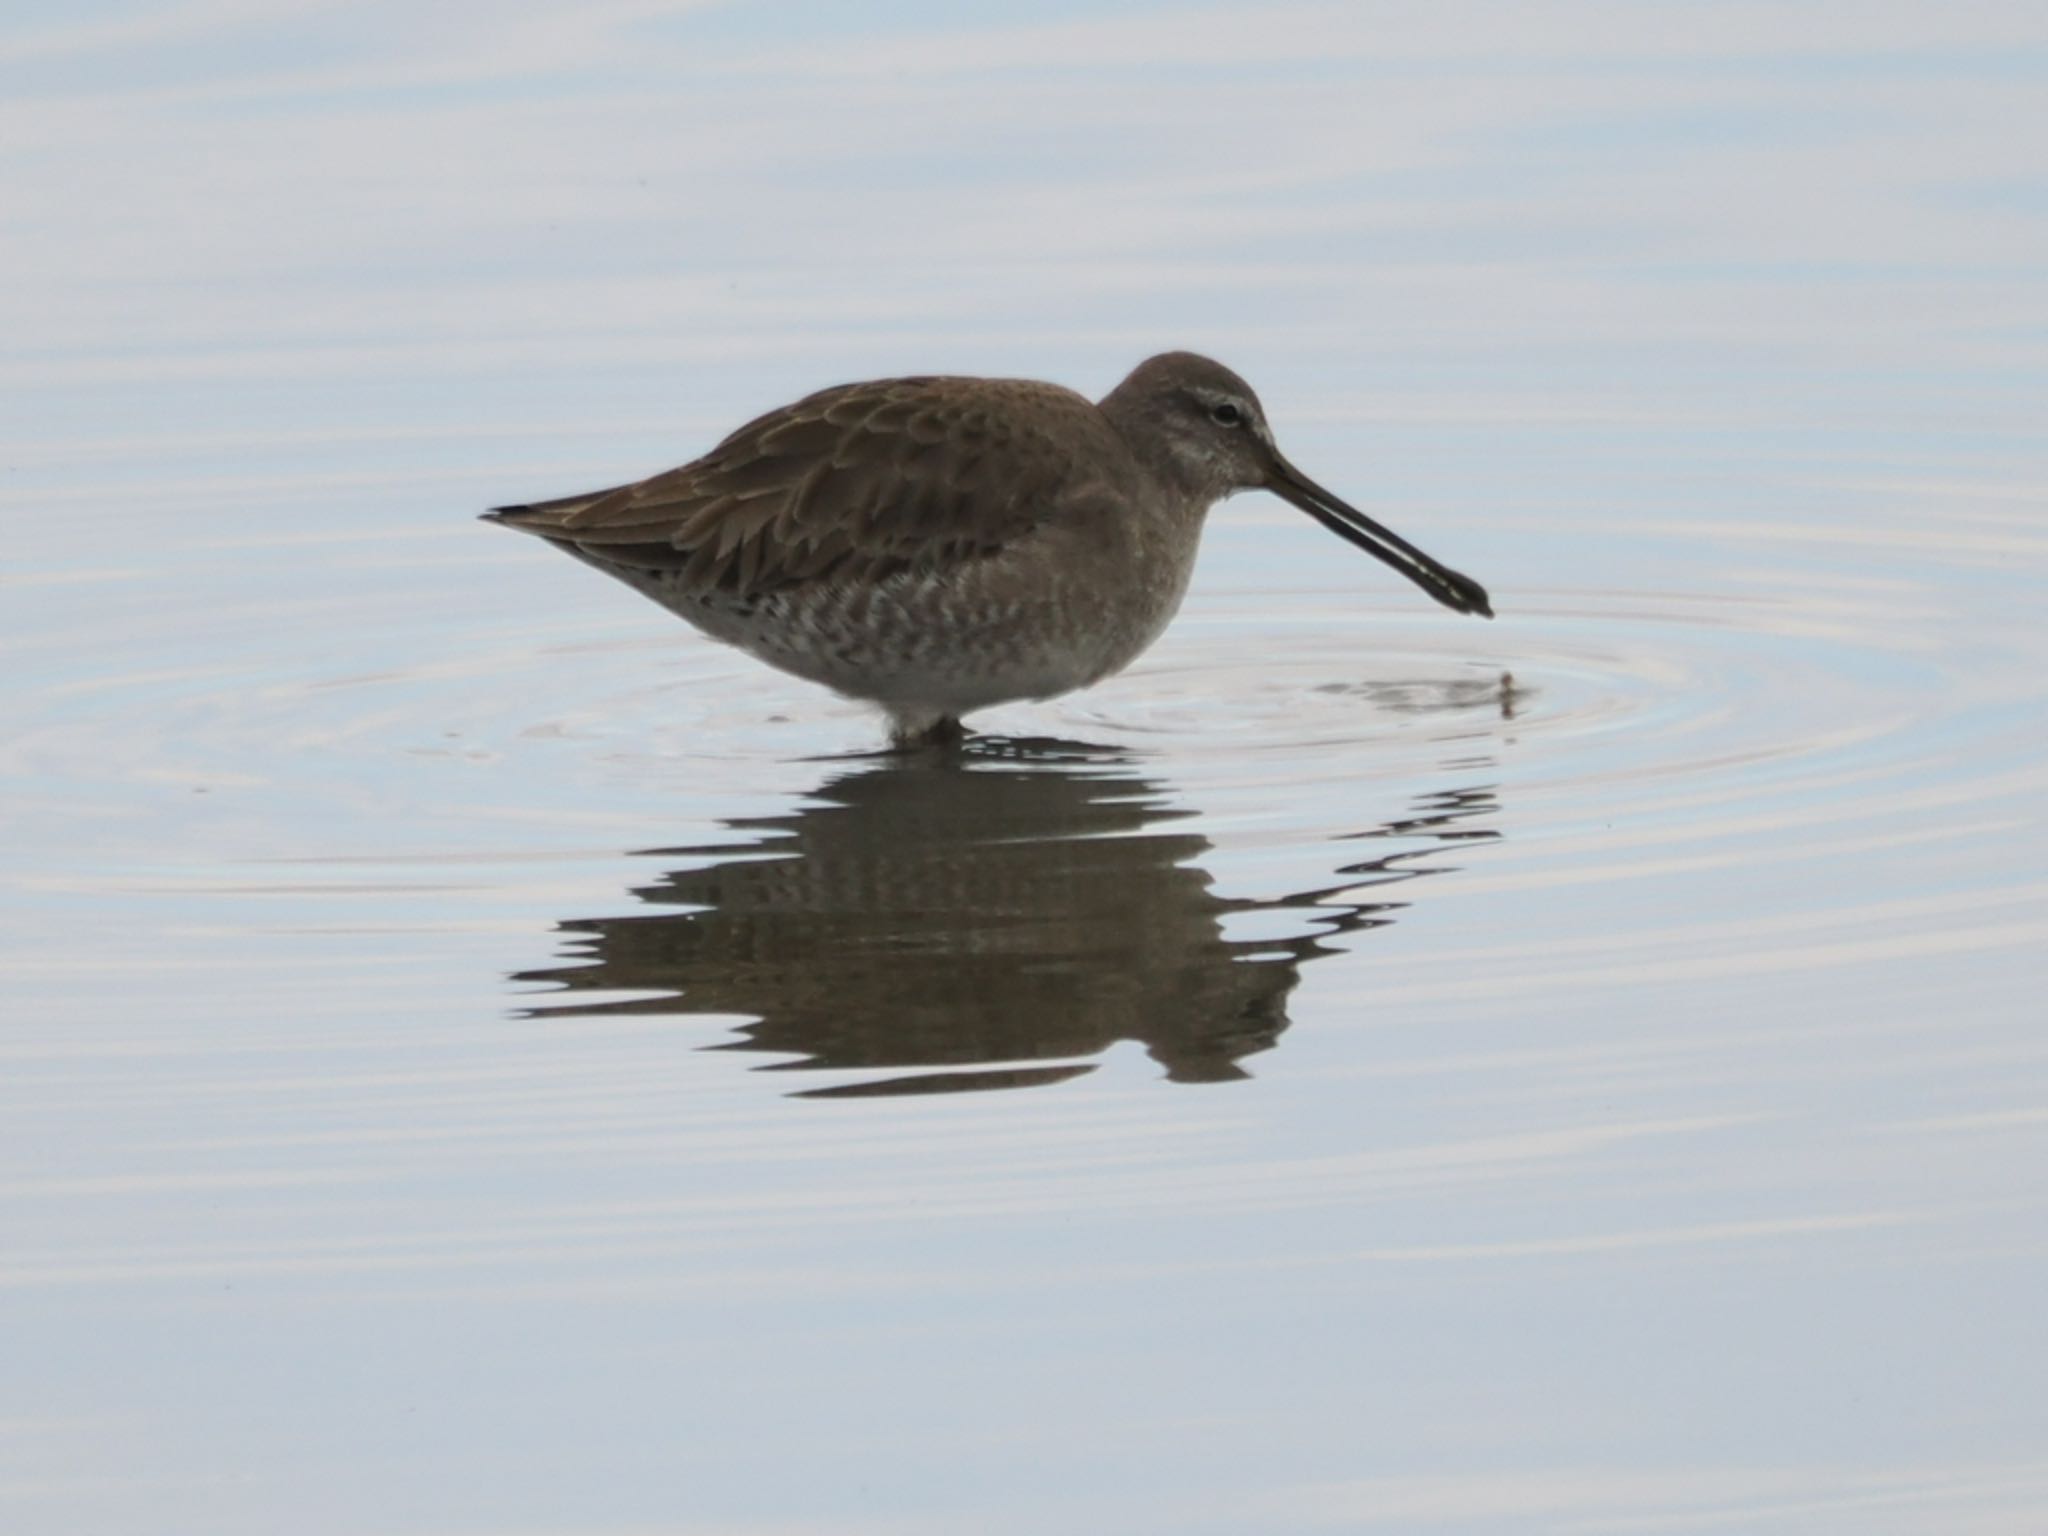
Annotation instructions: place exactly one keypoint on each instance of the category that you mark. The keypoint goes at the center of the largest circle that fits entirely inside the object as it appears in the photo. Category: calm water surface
(476, 1058)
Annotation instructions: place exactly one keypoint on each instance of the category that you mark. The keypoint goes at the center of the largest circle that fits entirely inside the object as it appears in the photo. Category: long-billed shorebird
(939, 545)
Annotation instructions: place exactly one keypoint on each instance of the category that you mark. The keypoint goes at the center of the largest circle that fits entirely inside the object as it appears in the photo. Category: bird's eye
(1226, 415)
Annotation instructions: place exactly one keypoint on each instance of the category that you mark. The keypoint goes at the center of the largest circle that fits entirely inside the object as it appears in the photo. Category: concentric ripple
(1209, 806)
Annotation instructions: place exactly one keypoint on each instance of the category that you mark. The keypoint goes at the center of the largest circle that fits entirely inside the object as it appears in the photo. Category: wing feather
(856, 482)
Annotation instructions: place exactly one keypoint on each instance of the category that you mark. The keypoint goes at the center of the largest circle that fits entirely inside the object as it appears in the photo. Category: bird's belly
(899, 648)
(948, 642)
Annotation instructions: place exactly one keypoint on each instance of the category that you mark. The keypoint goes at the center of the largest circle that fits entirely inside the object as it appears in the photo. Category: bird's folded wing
(853, 483)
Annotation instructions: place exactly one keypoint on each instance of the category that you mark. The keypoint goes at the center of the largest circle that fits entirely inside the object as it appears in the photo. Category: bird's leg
(915, 733)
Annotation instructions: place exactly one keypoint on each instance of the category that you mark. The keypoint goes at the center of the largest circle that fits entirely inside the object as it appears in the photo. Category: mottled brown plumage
(940, 544)
(855, 483)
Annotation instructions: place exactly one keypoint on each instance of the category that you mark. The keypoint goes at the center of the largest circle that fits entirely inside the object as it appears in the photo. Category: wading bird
(940, 545)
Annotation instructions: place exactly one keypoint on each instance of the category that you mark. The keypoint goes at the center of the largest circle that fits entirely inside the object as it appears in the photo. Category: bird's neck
(1185, 480)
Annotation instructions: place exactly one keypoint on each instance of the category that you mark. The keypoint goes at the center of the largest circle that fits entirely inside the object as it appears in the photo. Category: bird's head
(1200, 427)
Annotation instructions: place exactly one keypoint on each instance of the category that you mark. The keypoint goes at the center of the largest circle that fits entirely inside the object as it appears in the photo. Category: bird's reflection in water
(984, 920)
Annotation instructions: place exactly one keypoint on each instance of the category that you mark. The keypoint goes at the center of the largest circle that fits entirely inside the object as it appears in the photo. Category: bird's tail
(545, 518)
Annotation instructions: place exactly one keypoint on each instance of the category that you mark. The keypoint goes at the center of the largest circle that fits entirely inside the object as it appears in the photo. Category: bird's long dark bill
(1451, 588)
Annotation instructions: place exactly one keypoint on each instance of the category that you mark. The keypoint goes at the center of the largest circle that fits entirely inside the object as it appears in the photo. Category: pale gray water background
(1614, 1104)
